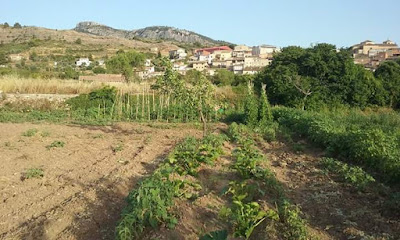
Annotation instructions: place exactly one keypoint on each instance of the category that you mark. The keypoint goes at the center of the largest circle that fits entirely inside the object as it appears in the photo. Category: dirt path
(333, 209)
(85, 182)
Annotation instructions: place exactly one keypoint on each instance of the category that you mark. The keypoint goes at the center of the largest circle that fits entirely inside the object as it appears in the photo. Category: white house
(83, 62)
(178, 54)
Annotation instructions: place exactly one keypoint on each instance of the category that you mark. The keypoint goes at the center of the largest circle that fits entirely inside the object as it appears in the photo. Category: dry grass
(14, 84)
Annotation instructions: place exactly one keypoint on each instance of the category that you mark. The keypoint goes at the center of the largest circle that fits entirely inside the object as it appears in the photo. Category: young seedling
(55, 144)
(118, 148)
(30, 133)
(34, 173)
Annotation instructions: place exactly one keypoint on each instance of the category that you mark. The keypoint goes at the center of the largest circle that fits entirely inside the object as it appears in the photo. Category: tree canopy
(312, 77)
(124, 62)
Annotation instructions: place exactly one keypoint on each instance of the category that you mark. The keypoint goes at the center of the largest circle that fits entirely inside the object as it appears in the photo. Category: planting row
(282, 218)
(151, 203)
(372, 141)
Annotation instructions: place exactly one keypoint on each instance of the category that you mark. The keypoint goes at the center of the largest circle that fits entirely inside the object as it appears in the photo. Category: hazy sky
(251, 22)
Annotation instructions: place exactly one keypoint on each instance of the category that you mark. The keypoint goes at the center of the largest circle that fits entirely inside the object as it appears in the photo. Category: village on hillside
(245, 60)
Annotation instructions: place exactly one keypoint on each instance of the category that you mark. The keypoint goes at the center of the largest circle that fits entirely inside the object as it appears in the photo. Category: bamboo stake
(137, 105)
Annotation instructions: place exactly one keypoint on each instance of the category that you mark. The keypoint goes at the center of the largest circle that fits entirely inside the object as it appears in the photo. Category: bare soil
(82, 192)
(333, 209)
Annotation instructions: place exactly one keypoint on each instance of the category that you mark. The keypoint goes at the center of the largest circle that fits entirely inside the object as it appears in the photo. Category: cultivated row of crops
(149, 205)
(368, 140)
(283, 218)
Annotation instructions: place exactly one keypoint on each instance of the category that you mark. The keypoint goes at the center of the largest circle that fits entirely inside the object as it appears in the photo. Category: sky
(251, 22)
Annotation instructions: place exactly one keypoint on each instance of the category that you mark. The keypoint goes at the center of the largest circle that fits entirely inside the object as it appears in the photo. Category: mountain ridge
(164, 33)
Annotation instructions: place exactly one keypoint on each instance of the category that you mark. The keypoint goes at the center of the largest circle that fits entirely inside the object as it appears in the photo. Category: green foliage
(389, 73)
(55, 144)
(265, 114)
(353, 175)
(70, 73)
(33, 56)
(30, 132)
(251, 109)
(247, 161)
(215, 235)
(124, 62)
(294, 227)
(370, 140)
(117, 148)
(247, 214)
(98, 70)
(189, 155)
(318, 76)
(17, 25)
(246, 217)
(150, 204)
(34, 173)
(78, 41)
(223, 77)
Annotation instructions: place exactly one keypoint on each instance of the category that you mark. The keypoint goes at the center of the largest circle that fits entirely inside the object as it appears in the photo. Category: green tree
(3, 58)
(311, 77)
(6, 25)
(78, 41)
(389, 73)
(192, 76)
(223, 77)
(99, 70)
(33, 56)
(17, 25)
(124, 62)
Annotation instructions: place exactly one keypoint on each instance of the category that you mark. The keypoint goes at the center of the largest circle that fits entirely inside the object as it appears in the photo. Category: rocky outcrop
(152, 33)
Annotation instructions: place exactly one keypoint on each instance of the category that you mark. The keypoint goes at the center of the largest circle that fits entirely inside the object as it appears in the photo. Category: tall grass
(14, 84)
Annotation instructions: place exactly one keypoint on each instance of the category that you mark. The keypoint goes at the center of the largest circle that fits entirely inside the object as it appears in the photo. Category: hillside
(66, 37)
(149, 33)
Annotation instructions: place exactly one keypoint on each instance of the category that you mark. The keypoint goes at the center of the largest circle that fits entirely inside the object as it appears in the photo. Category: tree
(223, 77)
(389, 73)
(6, 25)
(78, 41)
(311, 77)
(192, 76)
(17, 25)
(123, 63)
(33, 56)
(3, 58)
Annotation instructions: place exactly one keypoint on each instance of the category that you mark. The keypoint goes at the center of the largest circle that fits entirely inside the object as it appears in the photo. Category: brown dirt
(85, 182)
(333, 209)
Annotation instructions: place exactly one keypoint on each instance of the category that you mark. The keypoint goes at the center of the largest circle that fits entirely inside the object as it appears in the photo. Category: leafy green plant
(45, 134)
(294, 227)
(30, 132)
(55, 144)
(117, 148)
(34, 173)
(245, 216)
(215, 235)
(148, 205)
(351, 174)
(368, 140)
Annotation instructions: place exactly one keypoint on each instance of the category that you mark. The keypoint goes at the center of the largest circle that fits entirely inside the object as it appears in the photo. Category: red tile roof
(213, 49)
